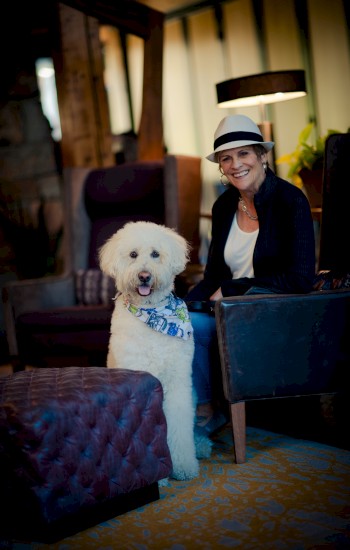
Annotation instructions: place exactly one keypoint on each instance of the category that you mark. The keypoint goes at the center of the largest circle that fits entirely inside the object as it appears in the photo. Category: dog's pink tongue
(144, 290)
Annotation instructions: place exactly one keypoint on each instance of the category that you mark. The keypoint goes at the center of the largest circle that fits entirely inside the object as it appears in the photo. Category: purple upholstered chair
(64, 320)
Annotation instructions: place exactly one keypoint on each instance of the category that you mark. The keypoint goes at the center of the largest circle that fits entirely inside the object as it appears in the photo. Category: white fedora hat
(237, 131)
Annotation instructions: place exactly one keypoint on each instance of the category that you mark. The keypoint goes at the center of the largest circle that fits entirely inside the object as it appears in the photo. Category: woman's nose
(235, 161)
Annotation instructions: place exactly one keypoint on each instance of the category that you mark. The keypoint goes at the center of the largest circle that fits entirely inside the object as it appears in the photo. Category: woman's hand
(216, 295)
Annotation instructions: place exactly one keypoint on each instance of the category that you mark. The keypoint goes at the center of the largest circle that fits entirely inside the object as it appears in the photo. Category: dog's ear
(108, 256)
(180, 251)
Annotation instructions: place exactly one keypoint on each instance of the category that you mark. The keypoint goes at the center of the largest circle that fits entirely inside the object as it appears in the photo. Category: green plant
(306, 155)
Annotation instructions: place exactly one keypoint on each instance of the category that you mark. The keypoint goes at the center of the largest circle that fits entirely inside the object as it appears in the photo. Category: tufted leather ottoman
(78, 446)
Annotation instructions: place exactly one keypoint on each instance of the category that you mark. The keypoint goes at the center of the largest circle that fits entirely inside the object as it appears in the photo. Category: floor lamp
(261, 89)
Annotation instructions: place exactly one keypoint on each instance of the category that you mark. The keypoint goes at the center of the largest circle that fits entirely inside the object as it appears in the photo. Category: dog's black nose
(144, 277)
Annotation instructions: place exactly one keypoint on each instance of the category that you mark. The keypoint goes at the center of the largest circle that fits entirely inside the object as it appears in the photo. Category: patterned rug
(290, 494)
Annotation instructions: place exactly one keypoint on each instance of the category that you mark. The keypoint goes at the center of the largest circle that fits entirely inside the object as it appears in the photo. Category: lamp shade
(263, 88)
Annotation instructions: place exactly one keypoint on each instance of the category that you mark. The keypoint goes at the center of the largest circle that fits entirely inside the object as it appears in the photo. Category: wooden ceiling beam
(127, 15)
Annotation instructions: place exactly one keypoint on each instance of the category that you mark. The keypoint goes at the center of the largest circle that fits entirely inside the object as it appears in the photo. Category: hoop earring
(224, 183)
(265, 167)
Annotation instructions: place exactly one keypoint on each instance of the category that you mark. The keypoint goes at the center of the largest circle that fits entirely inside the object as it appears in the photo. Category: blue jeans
(206, 370)
(205, 342)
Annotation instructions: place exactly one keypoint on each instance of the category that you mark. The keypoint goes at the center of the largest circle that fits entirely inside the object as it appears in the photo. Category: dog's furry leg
(179, 414)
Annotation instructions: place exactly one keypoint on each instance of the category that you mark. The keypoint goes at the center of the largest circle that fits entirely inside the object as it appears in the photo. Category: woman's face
(243, 167)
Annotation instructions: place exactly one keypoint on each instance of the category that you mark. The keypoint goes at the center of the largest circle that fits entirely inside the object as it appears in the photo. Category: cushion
(124, 190)
(331, 280)
(120, 194)
(94, 287)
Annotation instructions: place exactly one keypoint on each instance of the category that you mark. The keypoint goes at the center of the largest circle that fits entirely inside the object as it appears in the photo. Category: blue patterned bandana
(170, 318)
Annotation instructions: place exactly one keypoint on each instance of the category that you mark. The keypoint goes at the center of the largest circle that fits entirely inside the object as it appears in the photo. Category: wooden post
(86, 134)
(150, 134)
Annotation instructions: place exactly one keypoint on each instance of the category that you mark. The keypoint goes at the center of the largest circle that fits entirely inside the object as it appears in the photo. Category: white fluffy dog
(151, 329)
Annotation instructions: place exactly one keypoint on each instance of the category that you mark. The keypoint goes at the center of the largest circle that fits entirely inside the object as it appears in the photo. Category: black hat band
(237, 136)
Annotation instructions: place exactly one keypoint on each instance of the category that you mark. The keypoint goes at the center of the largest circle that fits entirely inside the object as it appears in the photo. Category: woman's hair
(259, 150)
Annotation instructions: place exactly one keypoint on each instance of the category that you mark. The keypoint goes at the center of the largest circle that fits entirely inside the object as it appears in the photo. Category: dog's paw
(185, 474)
(164, 482)
(203, 445)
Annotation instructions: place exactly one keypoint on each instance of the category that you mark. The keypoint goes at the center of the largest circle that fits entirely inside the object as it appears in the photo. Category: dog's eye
(155, 254)
(133, 254)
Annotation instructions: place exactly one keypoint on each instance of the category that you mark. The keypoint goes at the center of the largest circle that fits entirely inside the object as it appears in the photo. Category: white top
(239, 250)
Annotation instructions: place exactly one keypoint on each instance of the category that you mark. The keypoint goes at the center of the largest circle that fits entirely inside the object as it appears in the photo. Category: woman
(262, 242)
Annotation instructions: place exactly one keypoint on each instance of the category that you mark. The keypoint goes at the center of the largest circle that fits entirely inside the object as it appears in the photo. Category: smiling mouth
(241, 174)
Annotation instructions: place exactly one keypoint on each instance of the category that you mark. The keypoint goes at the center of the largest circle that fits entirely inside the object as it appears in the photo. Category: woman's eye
(155, 254)
(133, 254)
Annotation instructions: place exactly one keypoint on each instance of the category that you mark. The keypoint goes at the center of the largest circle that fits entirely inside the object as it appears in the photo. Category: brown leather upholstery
(334, 251)
(281, 346)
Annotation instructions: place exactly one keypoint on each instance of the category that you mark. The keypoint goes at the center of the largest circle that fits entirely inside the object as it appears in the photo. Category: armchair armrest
(31, 295)
(283, 345)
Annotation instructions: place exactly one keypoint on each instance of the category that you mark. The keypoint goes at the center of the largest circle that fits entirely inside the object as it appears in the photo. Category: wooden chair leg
(238, 420)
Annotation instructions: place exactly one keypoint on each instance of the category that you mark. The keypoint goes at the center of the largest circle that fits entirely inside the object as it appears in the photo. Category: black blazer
(284, 254)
